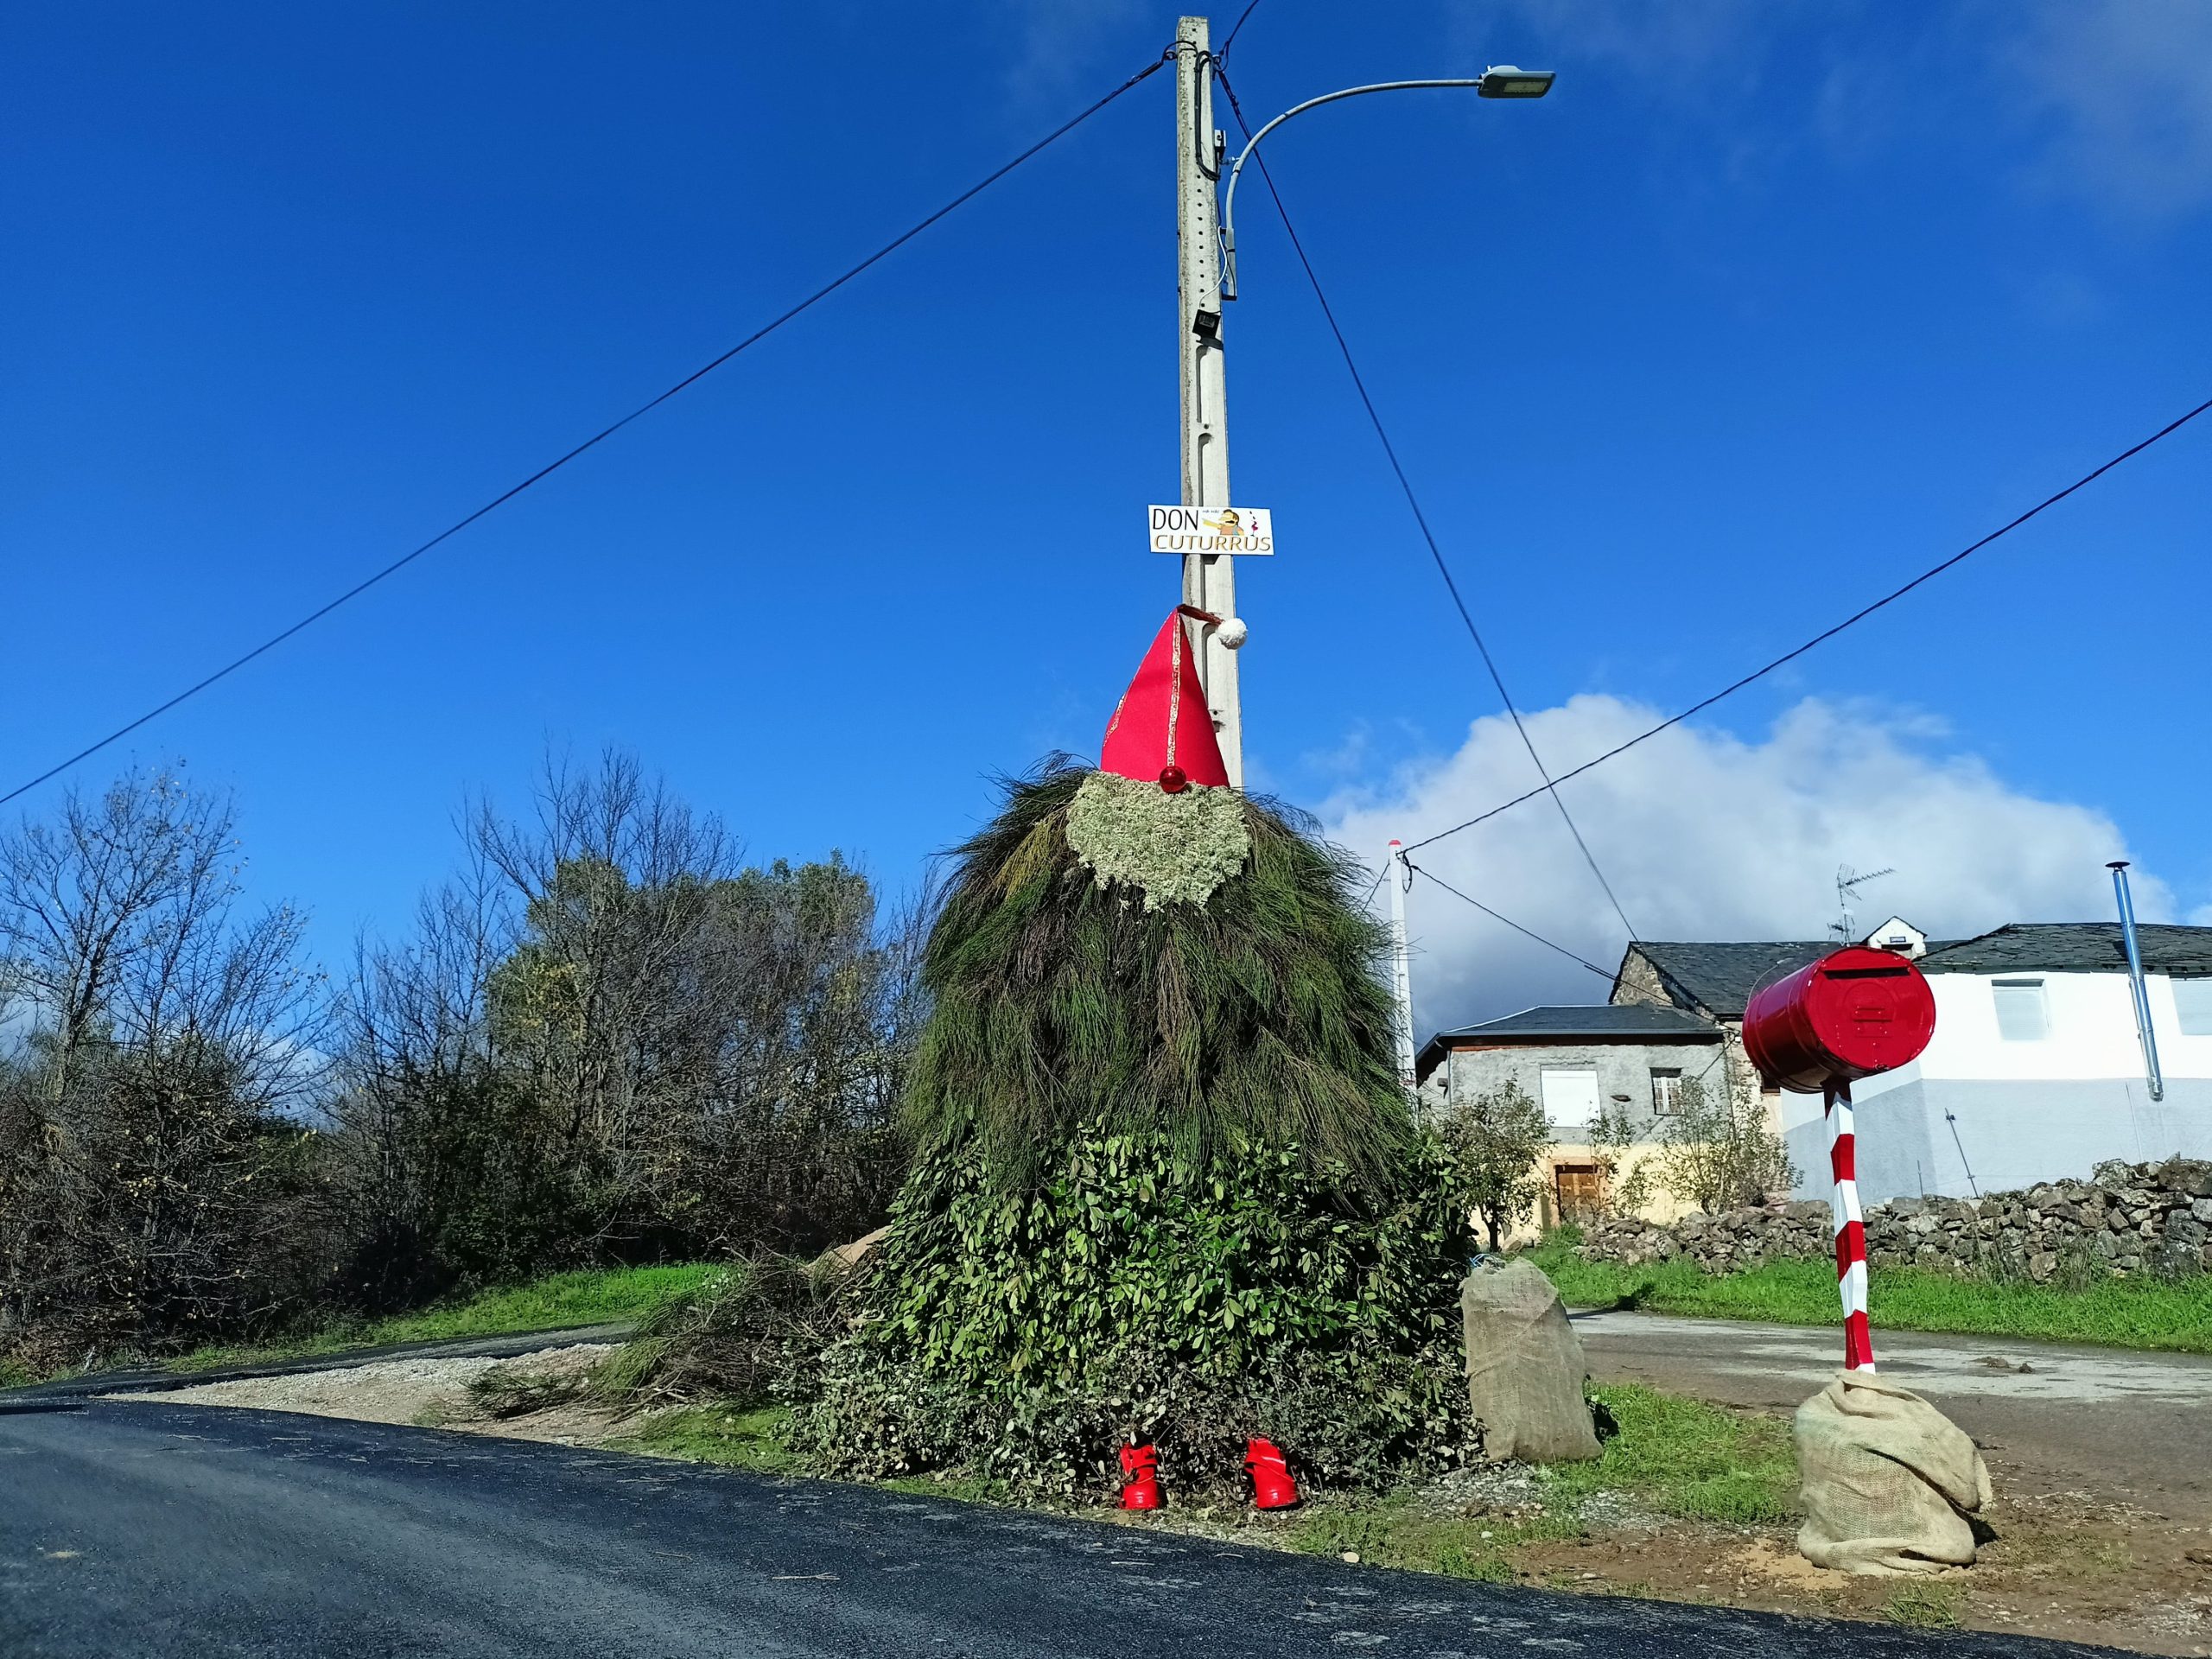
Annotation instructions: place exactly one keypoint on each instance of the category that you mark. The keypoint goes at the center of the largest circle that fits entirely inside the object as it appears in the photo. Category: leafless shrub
(161, 1063)
(610, 1037)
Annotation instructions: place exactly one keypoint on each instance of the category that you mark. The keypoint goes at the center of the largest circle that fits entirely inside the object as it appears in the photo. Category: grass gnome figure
(1171, 1222)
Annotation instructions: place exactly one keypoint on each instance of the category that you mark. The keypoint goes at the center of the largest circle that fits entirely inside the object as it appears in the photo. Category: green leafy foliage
(1168, 1186)
(1496, 1138)
(1719, 1148)
(1027, 1333)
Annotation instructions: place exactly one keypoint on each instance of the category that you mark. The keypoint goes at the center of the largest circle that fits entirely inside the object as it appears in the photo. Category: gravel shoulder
(428, 1391)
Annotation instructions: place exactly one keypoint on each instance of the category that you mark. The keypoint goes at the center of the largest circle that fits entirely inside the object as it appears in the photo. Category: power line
(1823, 636)
(1390, 453)
(597, 438)
(1604, 973)
(1376, 886)
(1230, 40)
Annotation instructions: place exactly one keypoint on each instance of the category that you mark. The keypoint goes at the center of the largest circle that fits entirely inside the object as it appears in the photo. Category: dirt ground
(2063, 1416)
(2089, 1566)
(2062, 1564)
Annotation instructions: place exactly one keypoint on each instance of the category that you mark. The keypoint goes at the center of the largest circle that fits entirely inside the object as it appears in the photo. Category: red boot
(1140, 1478)
(1272, 1486)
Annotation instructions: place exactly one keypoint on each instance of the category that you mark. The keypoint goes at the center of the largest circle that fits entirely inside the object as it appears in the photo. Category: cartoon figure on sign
(1225, 523)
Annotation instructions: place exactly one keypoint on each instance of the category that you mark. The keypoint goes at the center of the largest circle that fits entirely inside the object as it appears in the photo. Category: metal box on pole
(1854, 1012)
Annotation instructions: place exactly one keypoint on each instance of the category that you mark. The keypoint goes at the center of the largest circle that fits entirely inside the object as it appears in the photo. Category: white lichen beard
(1175, 849)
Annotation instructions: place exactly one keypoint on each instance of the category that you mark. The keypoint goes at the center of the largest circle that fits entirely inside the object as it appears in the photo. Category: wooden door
(1581, 1191)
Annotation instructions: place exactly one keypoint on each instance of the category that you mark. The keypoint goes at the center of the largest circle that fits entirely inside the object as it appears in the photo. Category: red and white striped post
(1850, 1228)
(1855, 1013)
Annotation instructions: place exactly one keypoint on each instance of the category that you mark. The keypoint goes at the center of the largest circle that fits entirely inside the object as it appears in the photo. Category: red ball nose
(1174, 779)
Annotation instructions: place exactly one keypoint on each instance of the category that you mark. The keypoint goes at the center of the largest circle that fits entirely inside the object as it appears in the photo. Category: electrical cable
(1230, 39)
(597, 438)
(1377, 887)
(1828, 635)
(1604, 973)
(1390, 453)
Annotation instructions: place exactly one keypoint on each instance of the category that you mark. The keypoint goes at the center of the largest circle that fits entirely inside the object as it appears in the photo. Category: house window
(1570, 1096)
(1666, 1090)
(2022, 1015)
(2193, 1006)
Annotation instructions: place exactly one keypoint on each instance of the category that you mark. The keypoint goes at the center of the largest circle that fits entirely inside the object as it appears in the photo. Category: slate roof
(1719, 977)
(1595, 1022)
(1629, 1022)
(2075, 948)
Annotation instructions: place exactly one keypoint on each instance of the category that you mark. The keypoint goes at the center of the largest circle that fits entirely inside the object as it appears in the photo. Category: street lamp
(1206, 277)
(1508, 80)
(1501, 80)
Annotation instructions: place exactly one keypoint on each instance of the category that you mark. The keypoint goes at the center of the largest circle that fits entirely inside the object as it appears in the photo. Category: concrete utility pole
(1402, 979)
(1209, 579)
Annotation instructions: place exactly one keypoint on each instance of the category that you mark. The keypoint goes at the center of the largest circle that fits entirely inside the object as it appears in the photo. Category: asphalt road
(135, 1528)
(2050, 1416)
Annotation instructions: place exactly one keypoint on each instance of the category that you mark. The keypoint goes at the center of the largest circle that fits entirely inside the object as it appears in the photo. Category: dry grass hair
(1258, 1018)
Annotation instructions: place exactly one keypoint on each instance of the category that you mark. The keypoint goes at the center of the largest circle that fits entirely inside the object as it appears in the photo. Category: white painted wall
(2092, 1031)
(2022, 1112)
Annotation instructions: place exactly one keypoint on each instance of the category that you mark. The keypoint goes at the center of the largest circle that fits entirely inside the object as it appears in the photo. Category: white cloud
(2125, 86)
(1064, 43)
(1706, 836)
(1657, 39)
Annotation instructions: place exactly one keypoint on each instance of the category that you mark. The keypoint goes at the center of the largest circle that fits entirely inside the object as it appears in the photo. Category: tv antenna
(1848, 883)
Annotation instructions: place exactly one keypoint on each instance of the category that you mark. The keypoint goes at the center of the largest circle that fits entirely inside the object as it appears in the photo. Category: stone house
(1577, 1062)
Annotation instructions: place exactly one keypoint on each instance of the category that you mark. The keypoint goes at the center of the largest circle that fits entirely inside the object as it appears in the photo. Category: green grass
(1673, 1456)
(2137, 1313)
(1393, 1531)
(1925, 1607)
(961, 1489)
(1683, 1457)
(600, 1297)
(751, 1439)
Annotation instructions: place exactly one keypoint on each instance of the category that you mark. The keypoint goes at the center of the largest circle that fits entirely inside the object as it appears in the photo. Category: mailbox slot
(1855, 1013)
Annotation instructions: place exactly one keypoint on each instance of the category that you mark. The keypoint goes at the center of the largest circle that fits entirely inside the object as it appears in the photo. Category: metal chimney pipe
(2150, 1073)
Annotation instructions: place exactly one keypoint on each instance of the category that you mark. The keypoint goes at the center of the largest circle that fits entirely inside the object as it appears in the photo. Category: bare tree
(1719, 1150)
(162, 1051)
(627, 1042)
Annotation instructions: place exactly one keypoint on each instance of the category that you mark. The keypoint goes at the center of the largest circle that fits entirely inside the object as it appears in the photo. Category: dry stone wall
(2127, 1219)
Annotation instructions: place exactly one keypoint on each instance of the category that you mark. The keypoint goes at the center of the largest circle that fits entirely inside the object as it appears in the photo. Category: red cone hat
(1162, 731)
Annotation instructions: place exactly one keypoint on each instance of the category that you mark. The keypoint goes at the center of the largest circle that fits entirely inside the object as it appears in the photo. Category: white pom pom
(1231, 633)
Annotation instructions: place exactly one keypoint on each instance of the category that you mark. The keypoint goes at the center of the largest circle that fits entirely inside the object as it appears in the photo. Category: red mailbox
(1851, 1013)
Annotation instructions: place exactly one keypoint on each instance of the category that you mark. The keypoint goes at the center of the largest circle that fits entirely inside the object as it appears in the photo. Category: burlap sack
(1524, 1367)
(1889, 1480)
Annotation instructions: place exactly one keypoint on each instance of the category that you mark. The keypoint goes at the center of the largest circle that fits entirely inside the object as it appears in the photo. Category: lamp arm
(1229, 196)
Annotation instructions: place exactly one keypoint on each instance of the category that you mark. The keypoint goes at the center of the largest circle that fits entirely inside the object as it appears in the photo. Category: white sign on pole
(1211, 530)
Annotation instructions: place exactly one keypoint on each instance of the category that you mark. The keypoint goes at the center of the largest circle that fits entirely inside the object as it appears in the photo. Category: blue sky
(1763, 309)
